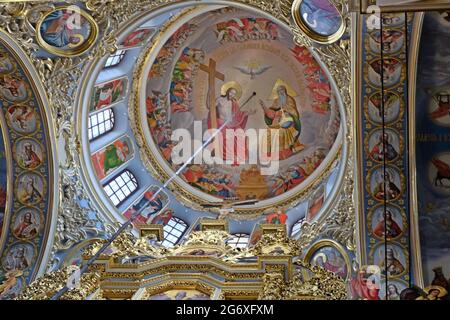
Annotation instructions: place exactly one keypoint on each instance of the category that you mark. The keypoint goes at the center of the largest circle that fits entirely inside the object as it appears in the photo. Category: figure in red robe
(27, 228)
(228, 111)
(362, 290)
(105, 97)
(30, 159)
(387, 227)
(277, 218)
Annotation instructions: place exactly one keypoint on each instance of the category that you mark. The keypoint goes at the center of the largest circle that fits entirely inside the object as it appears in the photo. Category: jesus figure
(232, 141)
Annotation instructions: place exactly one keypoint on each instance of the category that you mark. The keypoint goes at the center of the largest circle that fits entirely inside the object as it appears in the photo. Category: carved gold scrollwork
(62, 79)
(269, 279)
(47, 286)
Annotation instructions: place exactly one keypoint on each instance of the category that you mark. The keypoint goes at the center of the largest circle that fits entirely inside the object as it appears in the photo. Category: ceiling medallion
(320, 20)
(257, 80)
(67, 31)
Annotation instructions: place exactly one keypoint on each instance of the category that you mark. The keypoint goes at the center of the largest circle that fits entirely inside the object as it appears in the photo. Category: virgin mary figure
(57, 32)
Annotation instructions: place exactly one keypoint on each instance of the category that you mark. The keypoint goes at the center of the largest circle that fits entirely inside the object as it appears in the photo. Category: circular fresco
(393, 259)
(260, 108)
(67, 31)
(331, 256)
(27, 223)
(319, 19)
(388, 112)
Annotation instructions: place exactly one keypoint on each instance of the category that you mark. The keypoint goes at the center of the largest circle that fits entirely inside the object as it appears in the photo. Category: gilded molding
(336, 58)
(273, 277)
(62, 76)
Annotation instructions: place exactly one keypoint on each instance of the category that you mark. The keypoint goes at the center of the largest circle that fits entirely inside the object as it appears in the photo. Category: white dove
(253, 70)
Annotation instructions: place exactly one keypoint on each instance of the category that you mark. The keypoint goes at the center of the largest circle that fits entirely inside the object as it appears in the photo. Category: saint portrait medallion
(67, 31)
(319, 19)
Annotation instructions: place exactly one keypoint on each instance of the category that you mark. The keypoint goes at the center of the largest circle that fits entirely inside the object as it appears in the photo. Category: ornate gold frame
(330, 243)
(28, 269)
(178, 284)
(372, 132)
(268, 277)
(402, 214)
(40, 227)
(194, 201)
(67, 81)
(391, 243)
(310, 33)
(386, 87)
(400, 113)
(38, 123)
(74, 52)
(16, 186)
(369, 178)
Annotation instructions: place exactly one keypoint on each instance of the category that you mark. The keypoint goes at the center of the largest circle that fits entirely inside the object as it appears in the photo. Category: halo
(290, 91)
(321, 254)
(232, 85)
(442, 291)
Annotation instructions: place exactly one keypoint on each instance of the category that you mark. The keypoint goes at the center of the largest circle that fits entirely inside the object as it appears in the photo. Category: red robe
(393, 230)
(276, 218)
(360, 290)
(35, 160)
(18, 231)
(104, 102)
(239, 121)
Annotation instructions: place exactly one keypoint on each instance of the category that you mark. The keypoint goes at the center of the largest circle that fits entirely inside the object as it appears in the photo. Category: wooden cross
(213, 74)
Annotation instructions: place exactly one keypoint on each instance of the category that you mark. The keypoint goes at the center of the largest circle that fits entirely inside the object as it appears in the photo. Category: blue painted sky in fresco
(433, 71)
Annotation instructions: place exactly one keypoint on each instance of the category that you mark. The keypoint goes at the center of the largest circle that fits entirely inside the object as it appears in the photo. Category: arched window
(239, 240)
(100, 123)
(115, 59)
(296, 227)
(121, 187)
(173, 231)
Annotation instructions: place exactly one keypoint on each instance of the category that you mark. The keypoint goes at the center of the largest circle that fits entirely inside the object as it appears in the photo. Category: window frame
(112, 118)
(113, 179)
(119, 53)
(178, 221)
(297, 223)
(236, 242)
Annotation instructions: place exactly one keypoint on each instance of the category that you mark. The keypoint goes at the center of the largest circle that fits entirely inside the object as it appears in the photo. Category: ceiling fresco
(226, 149)
(27, 173)
(432, 131)
(246, 65)
(270, 81)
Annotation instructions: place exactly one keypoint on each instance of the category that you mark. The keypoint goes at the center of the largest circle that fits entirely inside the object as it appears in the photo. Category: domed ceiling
(246, 116)
(182, 81)
(257, 80)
